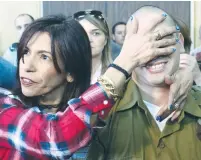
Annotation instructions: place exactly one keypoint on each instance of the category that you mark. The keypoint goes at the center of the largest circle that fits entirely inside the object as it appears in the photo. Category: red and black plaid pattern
(31, 134)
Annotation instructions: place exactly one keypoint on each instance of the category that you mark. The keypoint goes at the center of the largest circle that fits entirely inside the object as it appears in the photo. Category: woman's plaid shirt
(30, 134)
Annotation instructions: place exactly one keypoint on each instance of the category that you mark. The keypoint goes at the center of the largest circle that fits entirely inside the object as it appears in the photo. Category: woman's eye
(43, 56)
(96, 33)
(25, 52)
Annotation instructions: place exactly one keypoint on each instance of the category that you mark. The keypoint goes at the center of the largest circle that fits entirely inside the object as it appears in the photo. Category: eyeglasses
(81, 14)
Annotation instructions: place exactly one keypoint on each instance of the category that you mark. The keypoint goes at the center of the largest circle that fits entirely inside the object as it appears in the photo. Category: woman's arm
(61, 134)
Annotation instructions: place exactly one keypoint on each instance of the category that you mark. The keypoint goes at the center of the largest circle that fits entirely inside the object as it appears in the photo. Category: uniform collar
(132, 97)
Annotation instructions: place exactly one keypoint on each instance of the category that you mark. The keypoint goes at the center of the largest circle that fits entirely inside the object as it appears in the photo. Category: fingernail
(171, 107)
(173, 49)
(164, 15)
(131, 17)
(158, 118)
(177, 28)
(177, 40)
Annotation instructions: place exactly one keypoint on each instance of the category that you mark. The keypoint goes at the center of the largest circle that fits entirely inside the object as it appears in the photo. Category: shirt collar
(132, 96)
(192, 106)
(96, 75)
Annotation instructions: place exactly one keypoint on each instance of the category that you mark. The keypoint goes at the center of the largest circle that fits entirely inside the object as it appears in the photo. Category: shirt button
(105, 102)
(161, 145)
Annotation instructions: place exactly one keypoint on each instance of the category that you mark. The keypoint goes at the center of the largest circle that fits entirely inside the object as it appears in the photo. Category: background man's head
(119, 32)
(149, 74)
(21, 22)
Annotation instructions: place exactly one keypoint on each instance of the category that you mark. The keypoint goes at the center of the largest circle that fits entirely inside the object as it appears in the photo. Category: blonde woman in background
(97, 30)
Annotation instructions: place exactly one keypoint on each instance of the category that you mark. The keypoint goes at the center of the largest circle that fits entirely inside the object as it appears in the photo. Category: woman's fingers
(160, 34)
(163, 51)
(156, 21)
(173, 95)
(180, 84)
(177, 112)
(179, 96)
(178, 103)
(164, 42)
(151, 53)
(169, 79)
(131, 27)
(175, 115)
(163, 113)
(174, 89)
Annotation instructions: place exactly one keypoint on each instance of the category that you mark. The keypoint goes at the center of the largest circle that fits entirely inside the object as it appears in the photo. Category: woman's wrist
(118, 80)
(125, 64)
(126, 74)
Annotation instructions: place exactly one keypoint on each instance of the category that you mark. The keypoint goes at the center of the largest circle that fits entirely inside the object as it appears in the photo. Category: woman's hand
(142, 47)
(180, 84)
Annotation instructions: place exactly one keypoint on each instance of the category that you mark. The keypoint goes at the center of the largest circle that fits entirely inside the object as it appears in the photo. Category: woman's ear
(69, 78)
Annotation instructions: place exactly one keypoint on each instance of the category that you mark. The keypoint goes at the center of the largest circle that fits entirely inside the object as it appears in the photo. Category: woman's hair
(103, 26)
(70, 43)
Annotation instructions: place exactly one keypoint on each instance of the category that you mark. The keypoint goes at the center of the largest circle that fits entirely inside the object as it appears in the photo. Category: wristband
(127, 75)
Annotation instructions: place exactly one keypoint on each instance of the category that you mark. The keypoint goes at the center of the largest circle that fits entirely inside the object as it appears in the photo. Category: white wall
(8, 12)
(197, 23)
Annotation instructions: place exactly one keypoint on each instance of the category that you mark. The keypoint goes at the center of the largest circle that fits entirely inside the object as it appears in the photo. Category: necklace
(48, 106)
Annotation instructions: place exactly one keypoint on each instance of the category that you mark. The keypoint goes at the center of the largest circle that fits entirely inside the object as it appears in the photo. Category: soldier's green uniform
(132, 133)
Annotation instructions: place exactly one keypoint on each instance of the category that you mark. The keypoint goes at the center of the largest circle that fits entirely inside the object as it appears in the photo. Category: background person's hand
(180, 84)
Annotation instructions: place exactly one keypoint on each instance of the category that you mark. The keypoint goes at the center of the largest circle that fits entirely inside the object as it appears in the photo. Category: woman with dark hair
(50, 116)
(61, 55)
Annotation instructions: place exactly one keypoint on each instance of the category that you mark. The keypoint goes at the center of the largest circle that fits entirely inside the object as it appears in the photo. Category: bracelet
(109, 86)
(127, 75)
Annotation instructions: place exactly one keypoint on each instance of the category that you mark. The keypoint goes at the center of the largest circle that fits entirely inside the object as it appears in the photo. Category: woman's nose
(28, 63)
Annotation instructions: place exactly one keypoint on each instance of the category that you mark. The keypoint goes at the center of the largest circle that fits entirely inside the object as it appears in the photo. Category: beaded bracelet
(127, 75)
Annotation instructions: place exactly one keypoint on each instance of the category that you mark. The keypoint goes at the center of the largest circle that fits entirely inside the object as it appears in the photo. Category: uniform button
(105, 102)
(161, 145)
